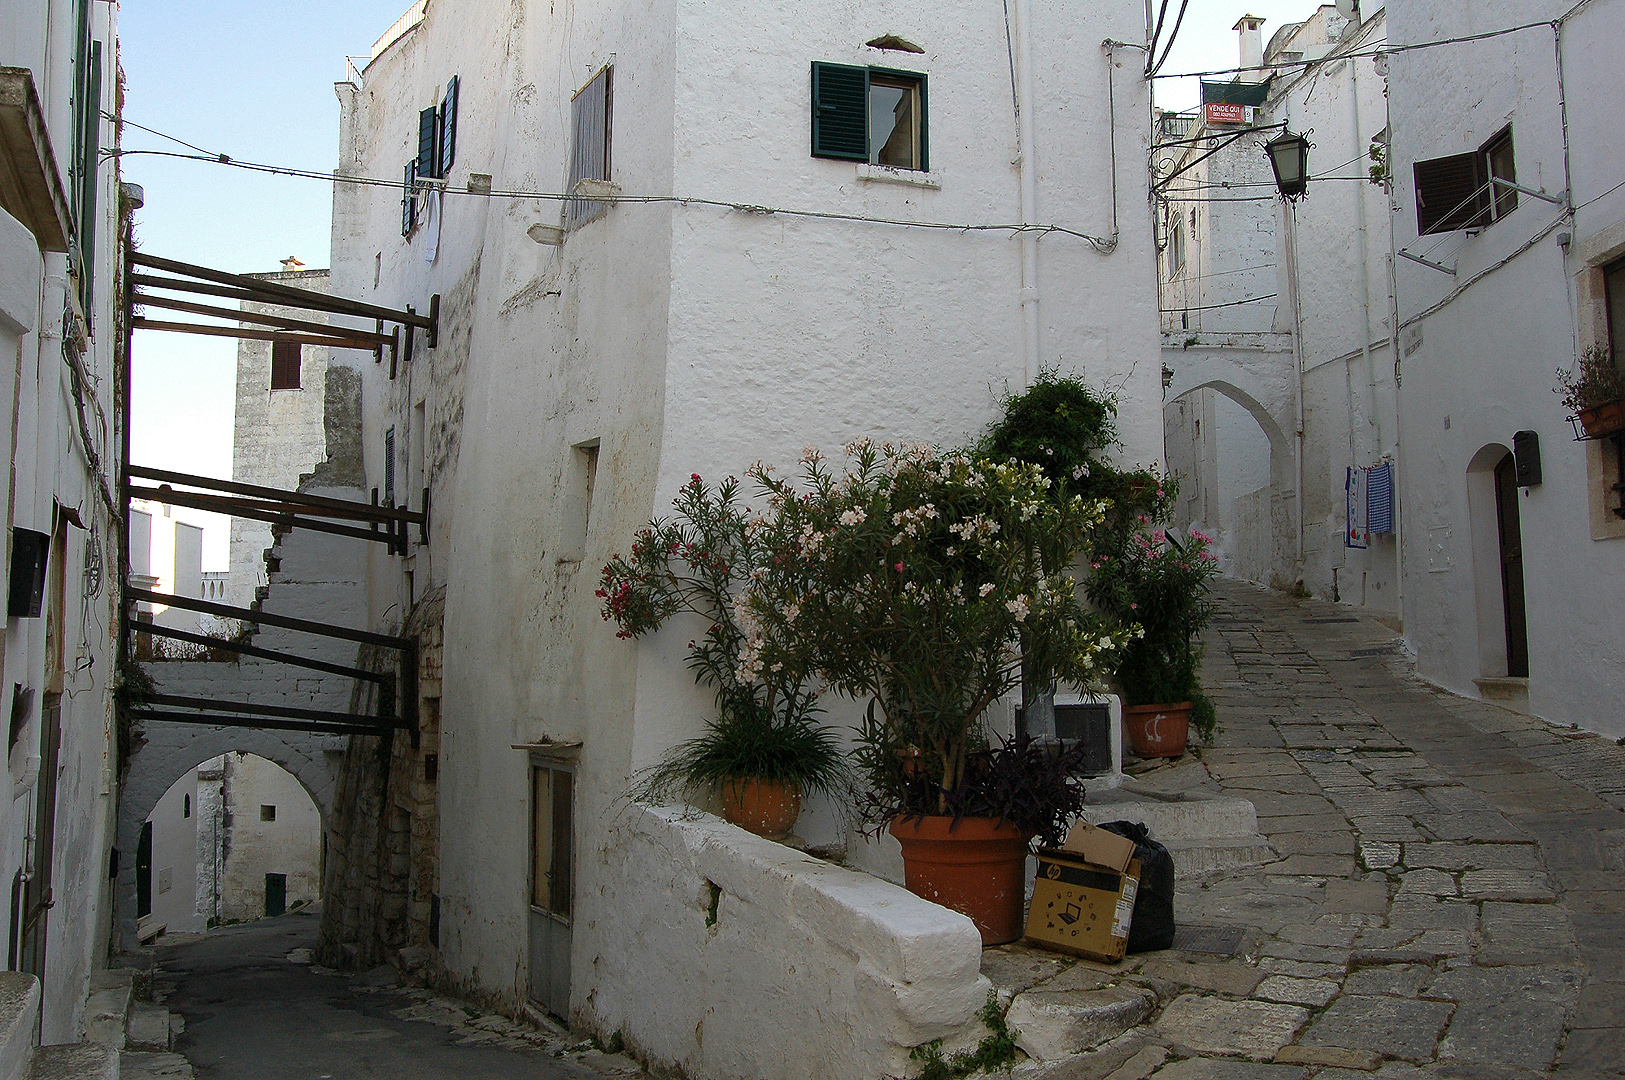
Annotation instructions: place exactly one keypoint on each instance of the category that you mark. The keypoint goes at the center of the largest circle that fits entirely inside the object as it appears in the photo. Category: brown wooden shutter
(285, 357)
(1447, 195)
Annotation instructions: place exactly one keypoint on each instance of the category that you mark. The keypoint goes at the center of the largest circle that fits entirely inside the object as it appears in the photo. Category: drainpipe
(1291, 220)
(1026, 150)
(1365, 271)
(1393, 354)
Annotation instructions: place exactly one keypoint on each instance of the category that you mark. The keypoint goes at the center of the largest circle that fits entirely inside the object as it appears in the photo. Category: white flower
(854, 517)
(1018, 607)
(985, 589)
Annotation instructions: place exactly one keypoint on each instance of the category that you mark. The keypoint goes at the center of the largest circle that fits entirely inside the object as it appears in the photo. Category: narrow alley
(252, 1006)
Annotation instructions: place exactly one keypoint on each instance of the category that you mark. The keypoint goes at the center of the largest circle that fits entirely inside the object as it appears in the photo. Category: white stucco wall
(290, 845)
(790, 967)
(682, 339)
(174, 858)
(1481, 367)
(50, 465)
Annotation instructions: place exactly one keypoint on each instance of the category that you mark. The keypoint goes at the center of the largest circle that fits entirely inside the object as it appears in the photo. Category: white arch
(172, 750)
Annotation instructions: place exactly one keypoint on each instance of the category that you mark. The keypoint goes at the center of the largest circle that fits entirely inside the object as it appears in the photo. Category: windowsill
(884, 174)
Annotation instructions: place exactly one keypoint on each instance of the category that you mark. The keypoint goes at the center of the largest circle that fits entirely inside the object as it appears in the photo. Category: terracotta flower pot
(976, 867)
(768, 808)
(1603, 419)
(1157, 730)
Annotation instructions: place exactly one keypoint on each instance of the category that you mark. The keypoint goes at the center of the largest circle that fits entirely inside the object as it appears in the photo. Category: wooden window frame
(835, 112)
(590, 146)
(1447, 178)
(286, 370)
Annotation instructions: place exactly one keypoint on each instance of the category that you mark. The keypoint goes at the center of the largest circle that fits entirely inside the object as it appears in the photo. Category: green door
(276, 894)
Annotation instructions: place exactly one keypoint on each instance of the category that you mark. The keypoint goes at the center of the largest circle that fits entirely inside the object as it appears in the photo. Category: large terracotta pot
(765, 807)
(1157, 730)
(976, 867)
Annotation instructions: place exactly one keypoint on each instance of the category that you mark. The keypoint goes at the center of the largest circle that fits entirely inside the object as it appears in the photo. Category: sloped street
(1447, 900)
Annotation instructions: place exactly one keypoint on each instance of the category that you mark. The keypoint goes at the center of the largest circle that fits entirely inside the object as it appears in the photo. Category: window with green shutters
(876, 115)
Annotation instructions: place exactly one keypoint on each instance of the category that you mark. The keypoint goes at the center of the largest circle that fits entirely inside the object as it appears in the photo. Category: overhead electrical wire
(1101, 244)
(1211, 307)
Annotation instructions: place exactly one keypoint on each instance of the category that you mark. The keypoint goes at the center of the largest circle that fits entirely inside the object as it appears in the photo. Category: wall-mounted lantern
(1289, 157)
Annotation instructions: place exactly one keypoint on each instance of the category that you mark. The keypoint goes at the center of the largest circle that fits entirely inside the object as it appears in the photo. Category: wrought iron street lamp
(1289, 157)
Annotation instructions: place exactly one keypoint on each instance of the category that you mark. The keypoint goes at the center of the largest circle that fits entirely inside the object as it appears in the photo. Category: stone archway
(1260, 378)
(172, 750)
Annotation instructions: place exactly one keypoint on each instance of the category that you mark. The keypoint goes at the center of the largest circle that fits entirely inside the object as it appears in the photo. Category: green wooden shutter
(448, 127)
(428, 122)
(840, 111)
(409, 204)
(89, 170)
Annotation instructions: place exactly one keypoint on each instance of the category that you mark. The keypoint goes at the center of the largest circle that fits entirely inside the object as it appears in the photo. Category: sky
(254, 81)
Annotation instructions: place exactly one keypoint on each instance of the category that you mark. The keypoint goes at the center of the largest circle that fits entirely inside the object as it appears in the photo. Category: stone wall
(383, 862)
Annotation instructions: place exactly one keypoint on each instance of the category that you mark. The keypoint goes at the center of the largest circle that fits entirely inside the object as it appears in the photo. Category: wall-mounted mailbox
(29, 550)
(1526, 457)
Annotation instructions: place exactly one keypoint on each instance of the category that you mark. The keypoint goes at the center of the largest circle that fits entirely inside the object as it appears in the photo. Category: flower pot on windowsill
(1604, 419)
(768, 808)
(975, 866)
(1157, 730)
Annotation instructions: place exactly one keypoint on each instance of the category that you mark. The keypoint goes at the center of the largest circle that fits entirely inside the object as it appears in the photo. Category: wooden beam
(168, 476)
(142, 323)
(221, 504)
(295, 297)
(140, 627)
(373, 340)
(284, 712)
(245, 506)
(286, 622)
(224, 720)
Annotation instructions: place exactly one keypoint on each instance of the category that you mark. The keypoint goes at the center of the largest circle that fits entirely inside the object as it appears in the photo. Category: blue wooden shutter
(448, 127)
(428, 123)
(840, 111)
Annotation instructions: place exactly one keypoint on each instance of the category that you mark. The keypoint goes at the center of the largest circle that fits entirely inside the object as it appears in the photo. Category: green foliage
(1594, 380)
(997, 1051)
(920, 579)
(696, 564)
(1162, 584)
(1059, 424)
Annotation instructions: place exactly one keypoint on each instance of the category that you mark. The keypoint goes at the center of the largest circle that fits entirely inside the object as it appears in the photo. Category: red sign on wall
(1221, 113)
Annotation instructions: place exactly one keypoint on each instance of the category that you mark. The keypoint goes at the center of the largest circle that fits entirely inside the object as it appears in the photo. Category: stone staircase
(21, 1056)
(1203, 831)
(139, 1034)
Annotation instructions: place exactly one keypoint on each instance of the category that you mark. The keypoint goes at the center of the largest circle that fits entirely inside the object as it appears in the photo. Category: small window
(267, 813)
(1176, 249)
(875, 115)
(409, 199)
(589, 149)
(1456, 192)
(285, 357)
(186, 806)
(1613, 284)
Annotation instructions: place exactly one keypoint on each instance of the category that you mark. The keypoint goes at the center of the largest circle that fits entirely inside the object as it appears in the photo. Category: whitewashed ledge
(734, 958)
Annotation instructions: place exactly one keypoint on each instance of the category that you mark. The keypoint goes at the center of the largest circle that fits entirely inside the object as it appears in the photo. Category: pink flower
(693, 476)
(1134, 607)
(899, 568)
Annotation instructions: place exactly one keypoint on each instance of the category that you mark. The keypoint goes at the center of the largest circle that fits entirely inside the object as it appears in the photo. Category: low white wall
(808, 969)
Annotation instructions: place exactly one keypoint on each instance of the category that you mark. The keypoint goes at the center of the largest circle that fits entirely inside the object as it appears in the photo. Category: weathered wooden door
(276, 895)
(552, 884)
(1511, 538)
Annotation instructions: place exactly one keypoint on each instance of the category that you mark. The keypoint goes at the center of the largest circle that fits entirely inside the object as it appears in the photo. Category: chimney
(1251, 30)
(291, 263)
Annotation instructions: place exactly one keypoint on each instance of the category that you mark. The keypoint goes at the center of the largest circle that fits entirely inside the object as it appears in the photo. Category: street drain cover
(1320, 620)
(1214, 940)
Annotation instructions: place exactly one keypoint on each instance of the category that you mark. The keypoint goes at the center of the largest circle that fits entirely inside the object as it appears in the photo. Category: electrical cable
(1173, 35)
(1211, 307)
(1101, 244)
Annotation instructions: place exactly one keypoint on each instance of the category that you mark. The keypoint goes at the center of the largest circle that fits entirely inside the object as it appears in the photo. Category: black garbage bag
(1152, 926)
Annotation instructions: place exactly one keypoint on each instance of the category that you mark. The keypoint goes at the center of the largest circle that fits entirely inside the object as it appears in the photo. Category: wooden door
(552, 885)
(1511, 538)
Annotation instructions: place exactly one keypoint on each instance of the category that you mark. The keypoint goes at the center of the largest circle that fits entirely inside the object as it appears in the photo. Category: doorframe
(561, 757)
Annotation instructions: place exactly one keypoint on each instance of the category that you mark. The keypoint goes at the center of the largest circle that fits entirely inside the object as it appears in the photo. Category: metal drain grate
(1213, 940)
(1323, 619)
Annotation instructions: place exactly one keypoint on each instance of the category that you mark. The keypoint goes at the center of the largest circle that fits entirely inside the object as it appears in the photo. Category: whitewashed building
(798, 225)
(1275, 315)
(1515, 577)
(61, 358)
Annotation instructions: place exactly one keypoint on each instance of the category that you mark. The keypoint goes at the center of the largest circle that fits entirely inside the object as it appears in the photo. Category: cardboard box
(1082, 907)
(1096, 845)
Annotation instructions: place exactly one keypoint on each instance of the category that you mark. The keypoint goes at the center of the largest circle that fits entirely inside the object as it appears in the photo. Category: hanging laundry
(1380, 498)
(1358, 532)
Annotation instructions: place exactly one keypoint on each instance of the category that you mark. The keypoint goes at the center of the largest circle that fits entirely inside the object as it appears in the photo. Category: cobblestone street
(1447, 900)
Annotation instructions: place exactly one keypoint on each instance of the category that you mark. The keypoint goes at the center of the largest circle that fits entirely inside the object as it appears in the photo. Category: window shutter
(1445, 194)
(590, 112)
(448, 127)
(285, 357)
(389, 466)
(409, 202)
(428, 122)
(840, 112)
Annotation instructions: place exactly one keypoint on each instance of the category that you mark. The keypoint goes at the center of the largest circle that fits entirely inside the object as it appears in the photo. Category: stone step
(75, 1061)
(1189, 816)
(1056, 1024)
(108, 1006)
(19, 1018)
(1193, 858)
(145, 1065)
(149, 1028)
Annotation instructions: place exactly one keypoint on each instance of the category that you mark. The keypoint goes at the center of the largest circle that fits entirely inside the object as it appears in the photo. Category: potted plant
(1594, 392)
(764, 750)
(1154, 580)
(917, 579)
